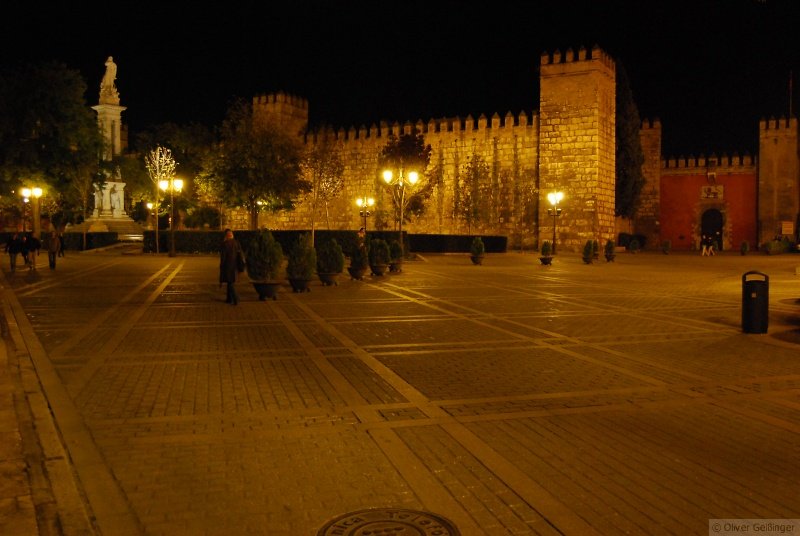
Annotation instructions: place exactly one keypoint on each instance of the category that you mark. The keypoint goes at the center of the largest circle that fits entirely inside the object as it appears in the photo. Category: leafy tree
(138, 183)
(324, 170)
(630, 157)
(201, 216)
(189, 144)
(48, 134)
(405, 153)
(256, 164)
(475, 175)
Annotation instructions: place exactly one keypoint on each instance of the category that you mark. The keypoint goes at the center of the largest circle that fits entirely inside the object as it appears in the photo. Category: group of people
(707, 243)
(29, 247)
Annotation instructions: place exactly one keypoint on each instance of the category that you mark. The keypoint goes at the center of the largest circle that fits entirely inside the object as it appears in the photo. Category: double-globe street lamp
(400, 182)
(172, 185)
(36, 193)
(554, 198)
(365, 205)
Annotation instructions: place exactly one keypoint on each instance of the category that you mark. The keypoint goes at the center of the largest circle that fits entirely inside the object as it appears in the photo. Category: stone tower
(648, 215)
(288, 112)
(577, 117)
(778, 179)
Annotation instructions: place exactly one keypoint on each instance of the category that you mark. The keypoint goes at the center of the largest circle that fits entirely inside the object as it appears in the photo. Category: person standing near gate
(53, 249)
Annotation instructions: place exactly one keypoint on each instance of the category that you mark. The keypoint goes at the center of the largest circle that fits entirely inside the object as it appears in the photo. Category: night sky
(708, 69)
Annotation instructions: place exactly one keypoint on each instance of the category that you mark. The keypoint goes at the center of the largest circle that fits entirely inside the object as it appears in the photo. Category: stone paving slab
(509, 398)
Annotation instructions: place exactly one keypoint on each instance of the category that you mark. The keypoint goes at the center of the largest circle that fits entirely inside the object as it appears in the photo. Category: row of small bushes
(209, 241)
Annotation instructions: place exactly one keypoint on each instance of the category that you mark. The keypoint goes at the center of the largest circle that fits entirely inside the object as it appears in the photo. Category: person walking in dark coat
(25, 249)
(61, 244)
(229, 252)
(34, 245)
(13, 248)
(53, 248)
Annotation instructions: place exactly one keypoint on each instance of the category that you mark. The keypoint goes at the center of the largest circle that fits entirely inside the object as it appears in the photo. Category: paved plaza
(508, 398)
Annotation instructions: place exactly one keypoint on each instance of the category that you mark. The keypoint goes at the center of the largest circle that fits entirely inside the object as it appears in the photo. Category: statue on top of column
(108, 91)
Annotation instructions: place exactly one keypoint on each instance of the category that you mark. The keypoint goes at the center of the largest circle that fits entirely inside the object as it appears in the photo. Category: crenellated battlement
(288, 111)
(596, 56)
(583, 54)
(782, 123)
(700, 164)
(280, 98)
(651, 124)
(454, 125)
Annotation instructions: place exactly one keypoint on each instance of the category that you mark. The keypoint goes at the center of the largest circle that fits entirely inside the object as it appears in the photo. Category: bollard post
(755, 302)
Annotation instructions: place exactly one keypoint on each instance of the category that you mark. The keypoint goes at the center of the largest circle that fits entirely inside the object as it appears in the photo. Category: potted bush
(330, 262)
(609, 251)
(302, 262)
(744, 247)
(666, 245)
(264, 262)
(395, 256)
(588, 252)
(477, 250)
(378, 256)
(359, 262)
(546, 256)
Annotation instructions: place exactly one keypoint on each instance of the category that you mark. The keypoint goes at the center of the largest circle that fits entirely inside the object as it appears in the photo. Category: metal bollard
(755, 303)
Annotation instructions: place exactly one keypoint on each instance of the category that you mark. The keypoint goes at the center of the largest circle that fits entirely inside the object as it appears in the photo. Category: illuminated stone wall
(568, 144)
(779, 180)
(577, 145)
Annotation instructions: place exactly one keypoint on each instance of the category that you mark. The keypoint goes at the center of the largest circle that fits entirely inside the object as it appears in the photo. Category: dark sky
(708, 69)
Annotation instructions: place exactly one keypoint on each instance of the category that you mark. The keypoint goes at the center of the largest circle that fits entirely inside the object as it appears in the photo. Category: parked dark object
(755, 302)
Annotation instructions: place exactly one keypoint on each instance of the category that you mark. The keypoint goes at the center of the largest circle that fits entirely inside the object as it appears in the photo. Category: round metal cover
(389, 522)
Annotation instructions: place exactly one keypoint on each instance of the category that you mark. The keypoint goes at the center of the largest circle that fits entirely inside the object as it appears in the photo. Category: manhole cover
(388, 522)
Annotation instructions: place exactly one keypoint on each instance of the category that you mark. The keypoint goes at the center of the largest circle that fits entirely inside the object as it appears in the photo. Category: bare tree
(161, 167)
(324, 170)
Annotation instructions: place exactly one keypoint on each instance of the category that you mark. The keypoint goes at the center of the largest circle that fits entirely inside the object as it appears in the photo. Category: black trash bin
(755, 302)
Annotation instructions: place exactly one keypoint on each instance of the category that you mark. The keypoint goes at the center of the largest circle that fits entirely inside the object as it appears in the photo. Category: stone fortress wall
(568, 144)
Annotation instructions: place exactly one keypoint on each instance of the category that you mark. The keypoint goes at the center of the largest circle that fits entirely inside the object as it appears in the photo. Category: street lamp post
(365, 205)
(172, 185)
(400, 182)
(554, 198)
(151, 213)
(36, 193)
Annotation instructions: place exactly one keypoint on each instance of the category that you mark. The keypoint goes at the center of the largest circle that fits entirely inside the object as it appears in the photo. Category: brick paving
(508, 398)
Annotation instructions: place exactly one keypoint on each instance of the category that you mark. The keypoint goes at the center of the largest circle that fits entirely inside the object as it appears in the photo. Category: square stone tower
(778, 180)
(577, 151)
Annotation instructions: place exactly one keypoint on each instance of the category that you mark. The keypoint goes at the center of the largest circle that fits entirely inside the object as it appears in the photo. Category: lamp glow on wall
(173, 185)
(400, 183)
(554, 198)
